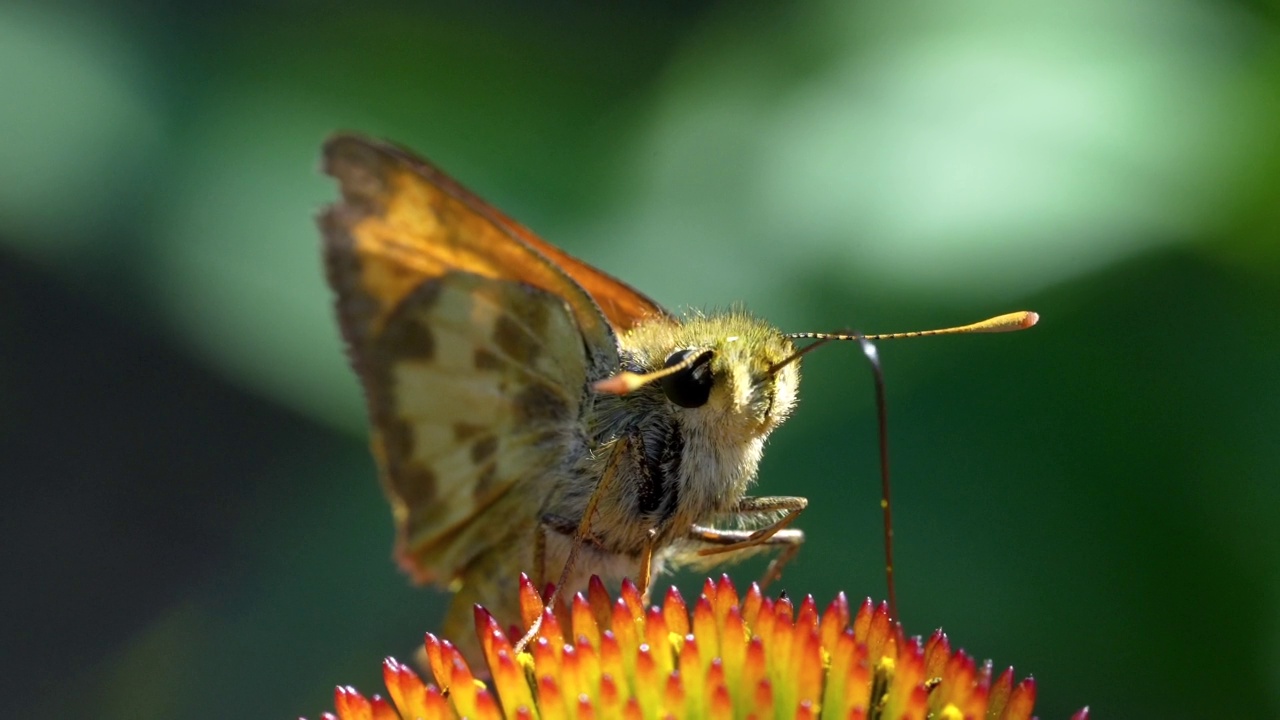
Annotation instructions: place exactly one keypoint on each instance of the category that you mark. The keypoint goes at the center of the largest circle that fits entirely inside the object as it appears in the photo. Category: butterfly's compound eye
(690, 387)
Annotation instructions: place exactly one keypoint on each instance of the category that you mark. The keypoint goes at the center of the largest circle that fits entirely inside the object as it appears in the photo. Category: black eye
(691, 386)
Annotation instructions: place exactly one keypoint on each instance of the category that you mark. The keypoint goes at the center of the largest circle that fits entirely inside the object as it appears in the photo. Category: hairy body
(486, 356)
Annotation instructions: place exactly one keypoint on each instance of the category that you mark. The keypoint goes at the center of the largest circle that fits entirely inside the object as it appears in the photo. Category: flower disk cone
(730, 657)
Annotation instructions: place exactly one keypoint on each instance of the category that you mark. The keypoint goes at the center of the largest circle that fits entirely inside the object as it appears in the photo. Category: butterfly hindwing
(474, 386)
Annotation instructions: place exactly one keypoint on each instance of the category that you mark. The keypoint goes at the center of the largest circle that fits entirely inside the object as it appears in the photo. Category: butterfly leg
(776, 533)
(540, 556)
(790, 507)
(564, 526)
(581, 533)
(646, 565)
(739, 540)
(559, 525)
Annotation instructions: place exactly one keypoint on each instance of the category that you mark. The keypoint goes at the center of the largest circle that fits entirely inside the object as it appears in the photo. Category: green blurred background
(191, 522)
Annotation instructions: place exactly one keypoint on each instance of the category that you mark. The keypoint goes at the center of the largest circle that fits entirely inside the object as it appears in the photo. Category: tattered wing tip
(361, 167)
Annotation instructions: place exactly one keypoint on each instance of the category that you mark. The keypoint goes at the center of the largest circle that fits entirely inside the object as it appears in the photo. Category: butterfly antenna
(1008, 322)
(627, 381)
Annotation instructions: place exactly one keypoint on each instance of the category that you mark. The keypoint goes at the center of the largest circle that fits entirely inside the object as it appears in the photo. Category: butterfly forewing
(623, 306)
(403, 221)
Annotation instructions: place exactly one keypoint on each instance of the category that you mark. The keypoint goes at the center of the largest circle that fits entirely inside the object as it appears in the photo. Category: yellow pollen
(676, 640)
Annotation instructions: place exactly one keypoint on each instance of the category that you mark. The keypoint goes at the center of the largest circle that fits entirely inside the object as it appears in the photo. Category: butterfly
(531, 413)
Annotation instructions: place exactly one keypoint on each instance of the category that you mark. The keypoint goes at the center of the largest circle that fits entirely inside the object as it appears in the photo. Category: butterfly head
(729, 370)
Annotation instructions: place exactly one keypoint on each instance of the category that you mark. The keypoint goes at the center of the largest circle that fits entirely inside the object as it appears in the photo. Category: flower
(731, 657)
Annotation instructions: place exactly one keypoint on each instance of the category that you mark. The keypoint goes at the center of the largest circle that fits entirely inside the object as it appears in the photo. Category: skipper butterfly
(531, 413)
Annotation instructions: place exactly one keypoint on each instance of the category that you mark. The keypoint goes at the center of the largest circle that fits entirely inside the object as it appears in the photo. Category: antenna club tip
(620, 384)
(1009, 322)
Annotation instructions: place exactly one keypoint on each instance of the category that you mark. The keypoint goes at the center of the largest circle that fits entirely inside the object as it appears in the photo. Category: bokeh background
(191, 524)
